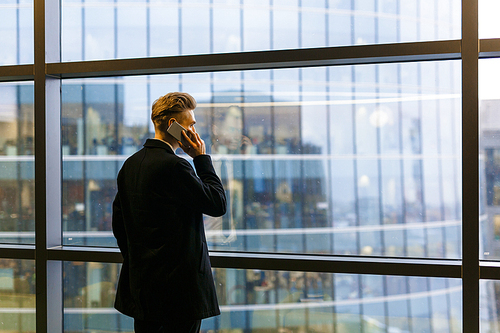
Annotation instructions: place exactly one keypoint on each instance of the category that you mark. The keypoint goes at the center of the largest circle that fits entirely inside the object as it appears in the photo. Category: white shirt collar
(165, 142)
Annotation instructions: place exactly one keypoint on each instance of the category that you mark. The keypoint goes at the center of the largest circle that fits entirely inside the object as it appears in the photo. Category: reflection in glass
(341, 160)
(16, 32)
(489, 159)
(279, 301)
(92, 122)
(17, 185)
(93, 30)
(89, 293)
(261, 301)
(17, 296)
(489, 292)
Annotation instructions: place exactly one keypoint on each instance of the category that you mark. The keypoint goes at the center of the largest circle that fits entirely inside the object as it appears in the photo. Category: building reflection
(287, 193)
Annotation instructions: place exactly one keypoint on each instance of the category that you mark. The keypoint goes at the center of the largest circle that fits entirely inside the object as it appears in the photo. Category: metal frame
(47, 71)
(17, 73)
(49, 317)
(489, 48)
(328, 56)
(470, 167)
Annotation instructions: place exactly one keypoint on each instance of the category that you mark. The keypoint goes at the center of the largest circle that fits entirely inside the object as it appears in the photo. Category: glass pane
(488, 25)
(489, 300)
(111, 29)
(17, 296)
(272, 301)
(489, 159)
(341, 160)
(17, 175)
(16, 32)
(279, 301)
(89, 293)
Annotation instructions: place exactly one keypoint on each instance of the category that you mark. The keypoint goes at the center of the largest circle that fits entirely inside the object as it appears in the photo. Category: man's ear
(170, 122)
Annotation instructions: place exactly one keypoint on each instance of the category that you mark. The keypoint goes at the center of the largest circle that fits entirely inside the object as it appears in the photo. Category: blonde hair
(169, 106)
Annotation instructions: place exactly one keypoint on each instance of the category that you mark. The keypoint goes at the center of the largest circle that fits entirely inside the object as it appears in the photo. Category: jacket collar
(155, 143)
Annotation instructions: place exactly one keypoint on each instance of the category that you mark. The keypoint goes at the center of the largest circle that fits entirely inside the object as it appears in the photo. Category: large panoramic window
(340, 160)
(361, 168)
(93, 30)
(277, 301)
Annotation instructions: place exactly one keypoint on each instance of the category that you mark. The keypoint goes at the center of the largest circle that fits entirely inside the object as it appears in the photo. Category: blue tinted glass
(72, 35)
(163, 28)
(285, 29)
(99, 37)
(387, 22)
(256, 25)
(489, 158)
(489, 299)
(17, 174)
(195, 35)
(124, 29)
(16, 32)
(132, 37)
(313, 24)
(364, 25)
(226, 26)
(264, 300)
(341, 160)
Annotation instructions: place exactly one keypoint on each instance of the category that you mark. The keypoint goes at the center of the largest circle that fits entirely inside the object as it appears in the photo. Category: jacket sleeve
(119, 226)
(205, 191)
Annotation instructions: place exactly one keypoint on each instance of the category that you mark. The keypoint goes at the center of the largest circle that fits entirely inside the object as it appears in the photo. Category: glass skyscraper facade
(346, 160)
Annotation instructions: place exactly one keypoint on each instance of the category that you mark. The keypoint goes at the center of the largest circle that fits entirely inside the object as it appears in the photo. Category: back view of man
(166, 282)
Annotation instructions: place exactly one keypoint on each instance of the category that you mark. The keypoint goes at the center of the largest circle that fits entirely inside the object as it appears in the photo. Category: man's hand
(196, 144)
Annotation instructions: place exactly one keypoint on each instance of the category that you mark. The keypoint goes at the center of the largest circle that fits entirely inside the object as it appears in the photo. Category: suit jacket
(158, 223)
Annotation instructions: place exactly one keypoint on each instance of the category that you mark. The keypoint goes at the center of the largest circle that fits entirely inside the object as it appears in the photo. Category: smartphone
(176, 130)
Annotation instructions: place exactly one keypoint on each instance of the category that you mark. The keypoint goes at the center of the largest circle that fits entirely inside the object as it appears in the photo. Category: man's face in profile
(187, 120)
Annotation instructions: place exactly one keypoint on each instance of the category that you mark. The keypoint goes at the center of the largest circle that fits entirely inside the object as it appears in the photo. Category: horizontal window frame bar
(329, 56)
(444, 268)
(489, 48)
(288, 262)
(14, 251)
(338, 264)
(17, 73)
(259, 60)
(85, 254)
(489, 270)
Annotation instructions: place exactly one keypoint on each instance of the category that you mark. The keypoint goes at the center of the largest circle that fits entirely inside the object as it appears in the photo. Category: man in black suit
(166, 281)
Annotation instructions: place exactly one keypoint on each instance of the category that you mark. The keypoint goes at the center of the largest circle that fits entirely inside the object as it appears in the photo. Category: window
(93, 30)
(16, 32)
(260, 300)
(17, 286)
(17, 194)
(289, 145)
(362, 192)
(490, 159)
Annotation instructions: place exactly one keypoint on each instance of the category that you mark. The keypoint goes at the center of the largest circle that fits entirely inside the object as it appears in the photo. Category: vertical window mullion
(470, 167)
(49, 307)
